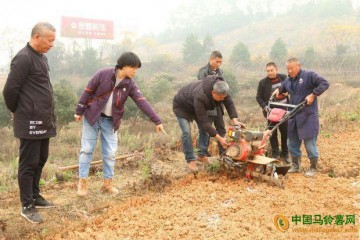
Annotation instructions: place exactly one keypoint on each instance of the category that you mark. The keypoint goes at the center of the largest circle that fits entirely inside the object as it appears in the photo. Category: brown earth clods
(212, 206)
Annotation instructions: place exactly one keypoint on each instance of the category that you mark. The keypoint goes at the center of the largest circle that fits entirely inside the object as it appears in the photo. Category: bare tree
(11, 41)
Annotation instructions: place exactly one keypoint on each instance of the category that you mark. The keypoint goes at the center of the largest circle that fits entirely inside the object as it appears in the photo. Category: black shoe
(40, 202)
(31, 214)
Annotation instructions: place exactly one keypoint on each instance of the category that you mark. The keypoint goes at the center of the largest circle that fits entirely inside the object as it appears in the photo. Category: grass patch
(353, 116)
(214, 167)
(146, 166)
(332, 174)
(326, 134)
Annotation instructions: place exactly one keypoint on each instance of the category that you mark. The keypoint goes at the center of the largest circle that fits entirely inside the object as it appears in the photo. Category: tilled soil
(213, 206)
(219, 208)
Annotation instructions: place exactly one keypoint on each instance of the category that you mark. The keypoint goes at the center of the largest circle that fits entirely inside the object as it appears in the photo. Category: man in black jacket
(216, 115)
(213, 66)
(192, 103)
(28, 95)
(266, 87)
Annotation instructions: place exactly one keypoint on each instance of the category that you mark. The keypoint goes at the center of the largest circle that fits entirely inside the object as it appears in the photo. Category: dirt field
(212, 206)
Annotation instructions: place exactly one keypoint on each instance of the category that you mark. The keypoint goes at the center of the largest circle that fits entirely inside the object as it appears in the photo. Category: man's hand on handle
(222, 141)
(275, 93)
(234, 121)
(310, 99)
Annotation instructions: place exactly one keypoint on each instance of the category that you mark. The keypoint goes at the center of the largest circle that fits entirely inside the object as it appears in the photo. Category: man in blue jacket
(304, 126)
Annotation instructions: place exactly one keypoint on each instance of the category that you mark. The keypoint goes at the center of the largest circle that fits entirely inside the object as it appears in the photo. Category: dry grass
(339, 108)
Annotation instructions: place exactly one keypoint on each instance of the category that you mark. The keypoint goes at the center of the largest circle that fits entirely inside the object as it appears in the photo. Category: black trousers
(283, 128)
(219, 126)
(33, 156)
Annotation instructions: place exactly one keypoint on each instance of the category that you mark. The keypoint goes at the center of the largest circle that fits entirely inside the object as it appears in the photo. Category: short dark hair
(40, 27)
(128, 59)
(269, 64)
(215, 54)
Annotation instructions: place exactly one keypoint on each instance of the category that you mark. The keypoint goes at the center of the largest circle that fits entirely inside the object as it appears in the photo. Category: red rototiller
(247, 149)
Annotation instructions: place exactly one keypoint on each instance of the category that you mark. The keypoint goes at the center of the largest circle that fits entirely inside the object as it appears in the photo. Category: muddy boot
(193, 167)
(296, 163)
(313, 167)
(108, 187)
(202, 159)
(82, 188)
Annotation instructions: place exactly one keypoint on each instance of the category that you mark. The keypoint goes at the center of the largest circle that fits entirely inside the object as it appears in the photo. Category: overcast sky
(137, 16)
(142, 15)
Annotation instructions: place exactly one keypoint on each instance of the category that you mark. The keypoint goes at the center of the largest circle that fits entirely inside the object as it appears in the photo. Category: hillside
(298, 34)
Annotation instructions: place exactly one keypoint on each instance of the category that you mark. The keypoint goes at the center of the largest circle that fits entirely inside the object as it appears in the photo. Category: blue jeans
(294, 145)
(109, 142)
(186, 140)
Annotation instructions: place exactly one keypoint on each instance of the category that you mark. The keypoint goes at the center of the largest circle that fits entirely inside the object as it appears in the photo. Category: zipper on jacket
(52, 104)
(51, 92)
(118, 97)
(52, 101)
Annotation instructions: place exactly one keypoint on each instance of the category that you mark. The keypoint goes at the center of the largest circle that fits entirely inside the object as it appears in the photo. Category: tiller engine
(247, 151)
(247, 148)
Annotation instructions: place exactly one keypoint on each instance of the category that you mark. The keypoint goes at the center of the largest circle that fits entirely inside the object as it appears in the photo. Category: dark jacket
(305, 122)
(28, 94)
(264, 90)
(98, 91)
(206, 71)
(193, 100)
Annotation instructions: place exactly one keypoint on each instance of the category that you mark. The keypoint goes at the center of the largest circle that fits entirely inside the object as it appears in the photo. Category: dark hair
(215, 54)
(40, 27)
(128, 59)
(269, 64)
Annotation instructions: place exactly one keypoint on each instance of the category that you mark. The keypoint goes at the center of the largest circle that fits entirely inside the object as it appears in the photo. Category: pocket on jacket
(42, 114)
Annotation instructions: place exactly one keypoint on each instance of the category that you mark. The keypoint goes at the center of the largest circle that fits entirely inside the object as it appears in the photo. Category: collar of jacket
(126, 81)
(33, 50)
(210, 70)
(123, 83)
(271, 79)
